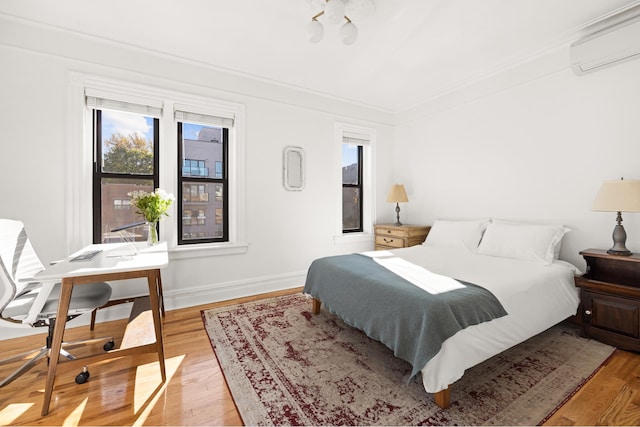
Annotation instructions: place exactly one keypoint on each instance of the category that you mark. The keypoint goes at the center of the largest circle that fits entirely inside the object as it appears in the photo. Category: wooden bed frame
(441, 398)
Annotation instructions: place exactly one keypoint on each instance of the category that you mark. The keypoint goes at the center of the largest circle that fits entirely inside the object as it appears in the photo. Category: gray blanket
(410, 321)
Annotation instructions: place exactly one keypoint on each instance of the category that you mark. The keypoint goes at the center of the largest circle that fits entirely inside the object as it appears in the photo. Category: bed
(516, 263)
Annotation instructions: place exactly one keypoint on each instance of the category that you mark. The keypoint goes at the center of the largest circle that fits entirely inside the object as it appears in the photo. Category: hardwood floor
(610, 398)
(121, 393)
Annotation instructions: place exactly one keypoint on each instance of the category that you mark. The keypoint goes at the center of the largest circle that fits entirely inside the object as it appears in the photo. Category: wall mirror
(293, 168)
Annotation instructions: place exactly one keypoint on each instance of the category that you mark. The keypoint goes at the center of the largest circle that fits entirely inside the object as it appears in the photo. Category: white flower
(152, 206)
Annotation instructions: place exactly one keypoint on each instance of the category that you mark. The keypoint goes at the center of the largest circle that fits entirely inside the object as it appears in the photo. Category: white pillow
(558, 245)
(464, 234)
(529, 242)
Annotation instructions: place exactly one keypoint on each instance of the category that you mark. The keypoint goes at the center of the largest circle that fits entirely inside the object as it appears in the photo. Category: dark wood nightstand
(390, 236)
(610, 298)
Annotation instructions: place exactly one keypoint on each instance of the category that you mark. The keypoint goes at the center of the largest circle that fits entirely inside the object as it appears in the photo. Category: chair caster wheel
(83, 376)
(109, 345)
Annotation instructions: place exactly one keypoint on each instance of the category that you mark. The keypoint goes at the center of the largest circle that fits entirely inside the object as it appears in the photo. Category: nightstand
(389, 236)
(610, 298)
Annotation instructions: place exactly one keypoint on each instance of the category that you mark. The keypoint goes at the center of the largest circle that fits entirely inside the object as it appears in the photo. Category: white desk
(103, 268)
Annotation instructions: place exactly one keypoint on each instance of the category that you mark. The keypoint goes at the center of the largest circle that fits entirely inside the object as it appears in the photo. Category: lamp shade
(618, 196)
(397, 194)
(348, 33)
(358, 9)
(315, 30)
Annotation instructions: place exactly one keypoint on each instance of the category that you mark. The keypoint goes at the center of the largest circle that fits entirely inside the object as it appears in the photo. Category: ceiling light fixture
(335, 12)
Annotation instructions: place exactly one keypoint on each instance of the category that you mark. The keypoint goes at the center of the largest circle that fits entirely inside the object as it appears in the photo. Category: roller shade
(354, 138)
(185, 114)
(354, 141)
(120, 102)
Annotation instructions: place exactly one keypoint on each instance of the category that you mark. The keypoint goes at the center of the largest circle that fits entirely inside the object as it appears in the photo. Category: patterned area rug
(286, 366)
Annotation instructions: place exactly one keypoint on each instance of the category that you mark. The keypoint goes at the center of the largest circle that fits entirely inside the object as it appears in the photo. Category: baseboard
(231, 290)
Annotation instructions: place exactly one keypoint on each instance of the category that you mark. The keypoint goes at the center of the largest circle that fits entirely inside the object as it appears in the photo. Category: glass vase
(152, 235)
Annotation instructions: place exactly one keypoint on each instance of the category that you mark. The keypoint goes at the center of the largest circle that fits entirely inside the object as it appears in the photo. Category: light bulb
(348, 33)
(358, 9)
(334, 11)
(315, 31)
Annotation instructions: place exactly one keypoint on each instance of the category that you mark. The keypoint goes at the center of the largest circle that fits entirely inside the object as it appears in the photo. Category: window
(194, 168)
(125, 160)
(202, 190)
(121, 203)
(154, 112)
(355, 197)
(352, 193)
(187, 216)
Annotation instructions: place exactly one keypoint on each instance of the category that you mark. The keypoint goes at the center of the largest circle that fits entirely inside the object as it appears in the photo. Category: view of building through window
(202, 182)
(351, 187)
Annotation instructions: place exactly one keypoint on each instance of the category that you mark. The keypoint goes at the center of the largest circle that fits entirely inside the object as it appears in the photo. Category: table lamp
(618, 196)
(397, 195)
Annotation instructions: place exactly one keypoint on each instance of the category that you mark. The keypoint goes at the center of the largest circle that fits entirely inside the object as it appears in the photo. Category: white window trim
(79, 220)
(368, 182)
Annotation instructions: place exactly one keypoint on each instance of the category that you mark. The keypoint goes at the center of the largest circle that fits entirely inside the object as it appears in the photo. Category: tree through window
(126, 160)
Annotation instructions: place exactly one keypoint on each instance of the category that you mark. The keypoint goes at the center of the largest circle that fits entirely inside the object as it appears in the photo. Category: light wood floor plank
(121, 393)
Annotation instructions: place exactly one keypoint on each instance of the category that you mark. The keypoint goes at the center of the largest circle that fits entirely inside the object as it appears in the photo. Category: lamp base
(621, 253)
(619, 240)
(398, 223)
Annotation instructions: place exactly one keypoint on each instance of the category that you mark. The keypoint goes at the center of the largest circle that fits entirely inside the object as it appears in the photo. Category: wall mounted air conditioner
(607, 47)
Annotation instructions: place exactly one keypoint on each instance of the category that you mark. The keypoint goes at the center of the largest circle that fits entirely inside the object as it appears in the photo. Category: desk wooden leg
(56, 345)
(160, 294)
(153, 277)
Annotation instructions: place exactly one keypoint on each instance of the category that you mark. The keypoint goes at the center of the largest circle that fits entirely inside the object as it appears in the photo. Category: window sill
(206, 250)
(349, 238)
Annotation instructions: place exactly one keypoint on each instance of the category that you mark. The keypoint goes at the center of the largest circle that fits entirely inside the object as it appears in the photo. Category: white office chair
(34, 304)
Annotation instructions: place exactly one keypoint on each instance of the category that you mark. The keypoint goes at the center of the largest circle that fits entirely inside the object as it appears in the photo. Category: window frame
(199, 180)
(99, 174)
(360, 188)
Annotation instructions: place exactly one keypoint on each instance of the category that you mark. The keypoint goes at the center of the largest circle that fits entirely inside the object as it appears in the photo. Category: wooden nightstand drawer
(395, 242)
(392, 232)
(390, 236)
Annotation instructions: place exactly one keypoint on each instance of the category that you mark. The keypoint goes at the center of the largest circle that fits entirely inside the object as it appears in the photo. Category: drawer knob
(587, 312)
(389, 231)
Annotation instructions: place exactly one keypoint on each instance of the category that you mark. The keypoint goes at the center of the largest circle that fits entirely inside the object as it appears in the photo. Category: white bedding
(536, 297)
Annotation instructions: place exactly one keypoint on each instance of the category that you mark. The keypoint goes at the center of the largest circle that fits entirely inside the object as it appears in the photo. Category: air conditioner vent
(607, 47)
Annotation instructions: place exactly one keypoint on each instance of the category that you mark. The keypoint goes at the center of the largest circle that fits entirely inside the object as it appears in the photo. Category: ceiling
(407, 53)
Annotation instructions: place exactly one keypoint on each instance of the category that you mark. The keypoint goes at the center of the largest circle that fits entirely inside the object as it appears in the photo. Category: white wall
(533, 150)
(284, 230)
